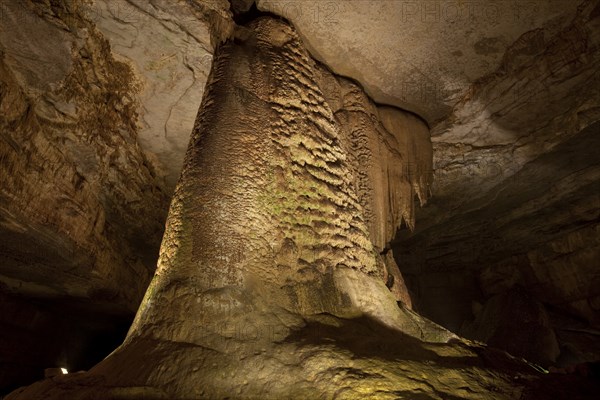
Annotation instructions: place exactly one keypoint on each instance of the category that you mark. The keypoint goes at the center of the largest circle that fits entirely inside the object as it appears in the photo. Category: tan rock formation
(421, 56)
(169, 45)
(79, 198)
(256, 293)
(267, 154)
(280, 245)
(389, 152)
(516, 183)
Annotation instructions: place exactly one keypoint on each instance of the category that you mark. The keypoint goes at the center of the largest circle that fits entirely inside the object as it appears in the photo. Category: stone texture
(227, 298)
(516, 322)
(328, 358)
(516, 183)
(169, 45)
(80, 203)
(421, 56)
(81, 208)
(267, 154)
(501, 84)
(389, 153)
(510, 90)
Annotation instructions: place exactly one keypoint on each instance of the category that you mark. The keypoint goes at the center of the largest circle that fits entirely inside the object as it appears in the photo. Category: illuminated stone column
(265, 220)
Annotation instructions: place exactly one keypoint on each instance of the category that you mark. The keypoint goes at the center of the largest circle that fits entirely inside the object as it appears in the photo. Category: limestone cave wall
(303, 203)
(516, 194)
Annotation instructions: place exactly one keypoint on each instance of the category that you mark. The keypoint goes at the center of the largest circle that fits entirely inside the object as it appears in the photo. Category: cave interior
(284, 199)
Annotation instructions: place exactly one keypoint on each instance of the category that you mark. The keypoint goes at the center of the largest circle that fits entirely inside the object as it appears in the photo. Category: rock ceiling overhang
(420, 56)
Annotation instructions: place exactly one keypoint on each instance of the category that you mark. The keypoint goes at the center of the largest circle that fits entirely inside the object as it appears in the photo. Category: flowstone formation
(271, 283)
(267, 214)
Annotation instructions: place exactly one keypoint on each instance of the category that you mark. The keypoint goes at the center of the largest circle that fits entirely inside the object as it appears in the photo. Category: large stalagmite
(270, 282)
(268, 214)
(266, 220)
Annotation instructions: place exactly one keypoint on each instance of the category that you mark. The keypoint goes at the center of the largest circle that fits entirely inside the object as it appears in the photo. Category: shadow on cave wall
(53, 334)
(443, 265)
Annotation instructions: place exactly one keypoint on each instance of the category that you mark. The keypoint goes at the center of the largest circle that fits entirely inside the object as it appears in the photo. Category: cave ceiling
(424, 57)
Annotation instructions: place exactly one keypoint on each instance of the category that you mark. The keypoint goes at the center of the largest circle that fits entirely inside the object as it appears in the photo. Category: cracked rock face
(421, 56)
(97, 102)
(516, 185)
(80, 202)
(169, 46)
(217, 322)
(81, 207)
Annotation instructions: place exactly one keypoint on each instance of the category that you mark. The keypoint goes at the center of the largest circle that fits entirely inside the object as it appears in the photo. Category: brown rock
(515, 322)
